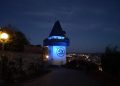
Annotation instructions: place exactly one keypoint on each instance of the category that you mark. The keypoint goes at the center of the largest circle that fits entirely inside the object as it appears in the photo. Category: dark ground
(68, 77)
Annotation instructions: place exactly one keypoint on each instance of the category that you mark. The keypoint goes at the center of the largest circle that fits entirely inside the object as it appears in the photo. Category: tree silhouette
(111, 61)
(17, 39)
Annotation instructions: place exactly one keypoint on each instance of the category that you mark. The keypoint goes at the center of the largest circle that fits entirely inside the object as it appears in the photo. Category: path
(65, 77)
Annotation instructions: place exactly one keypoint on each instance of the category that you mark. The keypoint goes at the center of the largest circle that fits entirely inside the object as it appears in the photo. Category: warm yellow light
(47, 56)
(4, 36)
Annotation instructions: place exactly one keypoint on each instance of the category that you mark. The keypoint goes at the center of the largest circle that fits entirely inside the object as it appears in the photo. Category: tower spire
(57, 30)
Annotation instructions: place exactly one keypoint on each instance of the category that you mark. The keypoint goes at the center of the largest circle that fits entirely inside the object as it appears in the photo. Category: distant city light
(100, 68)
(69, 60)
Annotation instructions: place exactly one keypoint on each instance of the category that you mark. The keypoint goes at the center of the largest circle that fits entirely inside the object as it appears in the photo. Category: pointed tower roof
(57, 30)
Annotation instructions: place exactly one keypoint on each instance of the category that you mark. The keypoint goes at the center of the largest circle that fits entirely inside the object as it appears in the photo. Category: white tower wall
(57, 55)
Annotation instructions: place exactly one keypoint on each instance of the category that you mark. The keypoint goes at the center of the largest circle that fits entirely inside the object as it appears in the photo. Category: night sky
(91, 25)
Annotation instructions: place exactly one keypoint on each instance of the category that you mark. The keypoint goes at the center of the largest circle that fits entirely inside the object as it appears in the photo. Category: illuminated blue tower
(57, 42)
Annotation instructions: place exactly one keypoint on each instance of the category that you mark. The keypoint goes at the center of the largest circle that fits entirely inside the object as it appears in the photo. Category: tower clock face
(60, 52)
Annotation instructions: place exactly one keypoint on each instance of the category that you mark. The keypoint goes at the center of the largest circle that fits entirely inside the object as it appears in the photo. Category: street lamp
(3, 38)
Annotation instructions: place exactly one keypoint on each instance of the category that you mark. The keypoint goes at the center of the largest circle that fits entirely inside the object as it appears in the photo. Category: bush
(111, 61)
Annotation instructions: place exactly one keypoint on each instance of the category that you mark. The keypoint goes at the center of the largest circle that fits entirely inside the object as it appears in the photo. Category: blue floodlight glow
(56, 37)
(57, 54)
(57, 43)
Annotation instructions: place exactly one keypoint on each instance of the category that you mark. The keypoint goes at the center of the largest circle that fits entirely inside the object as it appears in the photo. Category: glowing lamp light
(4, 36)
(47, 56)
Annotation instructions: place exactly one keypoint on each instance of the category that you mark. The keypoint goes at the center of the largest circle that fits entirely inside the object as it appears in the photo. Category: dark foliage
(17, 44)
(82, 65)
(17, 39)
(111, 61)
(15, 70)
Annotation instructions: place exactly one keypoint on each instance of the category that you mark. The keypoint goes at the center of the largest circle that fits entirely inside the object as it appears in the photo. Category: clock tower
(56, 43)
